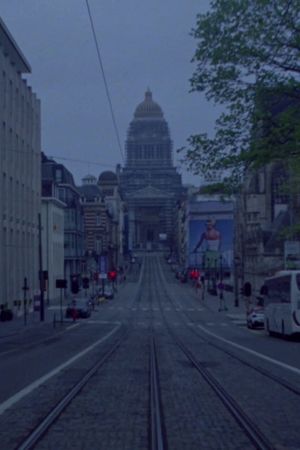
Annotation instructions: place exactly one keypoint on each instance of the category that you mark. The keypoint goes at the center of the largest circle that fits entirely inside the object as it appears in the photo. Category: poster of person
(211, 243)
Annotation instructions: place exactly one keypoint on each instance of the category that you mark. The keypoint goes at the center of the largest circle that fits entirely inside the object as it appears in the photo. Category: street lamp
(237, 262)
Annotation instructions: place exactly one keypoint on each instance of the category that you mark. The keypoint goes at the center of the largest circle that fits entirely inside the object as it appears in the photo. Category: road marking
(210, 324)
(252, 352)
(144, 309)
(72, 326)
(167, 309)
(105, 322)
(31, 387)
(199, 309)
(223, 324)
(190, 309)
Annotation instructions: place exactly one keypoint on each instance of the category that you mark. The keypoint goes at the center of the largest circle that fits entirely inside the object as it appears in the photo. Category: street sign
(102, 276)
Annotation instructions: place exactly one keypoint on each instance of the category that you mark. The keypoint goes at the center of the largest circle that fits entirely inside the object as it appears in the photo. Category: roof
(148, 108)
(90, 191)
(108, 177)
(11, 48)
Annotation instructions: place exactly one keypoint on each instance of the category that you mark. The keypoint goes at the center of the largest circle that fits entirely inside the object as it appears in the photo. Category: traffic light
(112, 275)
(85, 283)
(74, 285)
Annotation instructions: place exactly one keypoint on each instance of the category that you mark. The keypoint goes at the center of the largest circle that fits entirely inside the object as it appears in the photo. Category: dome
(148, 108)
(108, 177)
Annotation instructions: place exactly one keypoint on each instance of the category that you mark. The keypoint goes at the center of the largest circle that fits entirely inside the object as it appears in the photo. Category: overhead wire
(104, 79)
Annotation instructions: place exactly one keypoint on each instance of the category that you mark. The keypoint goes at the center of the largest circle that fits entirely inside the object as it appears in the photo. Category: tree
(248, 60)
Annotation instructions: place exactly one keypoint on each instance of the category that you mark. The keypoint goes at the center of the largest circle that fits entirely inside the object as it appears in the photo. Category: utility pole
(41, 273)
(25, 289)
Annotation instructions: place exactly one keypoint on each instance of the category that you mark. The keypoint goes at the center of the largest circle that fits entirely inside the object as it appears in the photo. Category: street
(261, 374)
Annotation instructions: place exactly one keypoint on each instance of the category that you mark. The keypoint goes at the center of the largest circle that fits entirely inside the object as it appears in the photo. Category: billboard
(211, 243)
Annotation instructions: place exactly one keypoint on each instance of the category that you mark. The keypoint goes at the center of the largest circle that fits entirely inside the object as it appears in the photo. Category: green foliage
(248, 60)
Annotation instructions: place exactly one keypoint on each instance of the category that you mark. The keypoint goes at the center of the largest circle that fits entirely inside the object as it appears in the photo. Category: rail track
(151, 296)
(280, 381)
(257, 437)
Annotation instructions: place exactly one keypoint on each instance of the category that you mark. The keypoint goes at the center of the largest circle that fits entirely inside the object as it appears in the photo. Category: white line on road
(105, 322)
(28, 389)
(252, 352)
(72, 326)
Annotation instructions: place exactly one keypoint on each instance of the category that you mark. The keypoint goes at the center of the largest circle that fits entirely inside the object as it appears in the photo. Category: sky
(143, 44)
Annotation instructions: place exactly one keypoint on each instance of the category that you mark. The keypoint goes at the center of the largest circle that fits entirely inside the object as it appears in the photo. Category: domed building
(149, 182)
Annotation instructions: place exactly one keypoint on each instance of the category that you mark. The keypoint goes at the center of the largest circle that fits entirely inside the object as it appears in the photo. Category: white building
(53, 244)
(20, 168)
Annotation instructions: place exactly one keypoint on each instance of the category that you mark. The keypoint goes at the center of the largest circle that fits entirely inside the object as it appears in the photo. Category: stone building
(149, 182)
(263, 213)
(20, 170)
(109, 184)
(68, 193)
(103, 218)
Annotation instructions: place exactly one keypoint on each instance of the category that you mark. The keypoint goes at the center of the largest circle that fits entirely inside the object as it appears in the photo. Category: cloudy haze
(142, 44)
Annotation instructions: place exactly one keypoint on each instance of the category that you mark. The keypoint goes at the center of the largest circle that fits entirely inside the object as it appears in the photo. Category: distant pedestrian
(198, 284)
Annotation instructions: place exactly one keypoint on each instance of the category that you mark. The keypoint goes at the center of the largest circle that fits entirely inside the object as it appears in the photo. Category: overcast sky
(143, 43)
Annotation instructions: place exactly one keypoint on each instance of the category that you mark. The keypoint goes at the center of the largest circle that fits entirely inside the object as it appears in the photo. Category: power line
(81, 161)
(104, 79)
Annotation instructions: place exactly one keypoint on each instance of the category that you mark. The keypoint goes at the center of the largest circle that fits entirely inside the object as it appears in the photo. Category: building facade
(103, 220)
(20, 170)
(53, 244)
(264, 212)
(109, 185)
(56, 174)
(149, 182)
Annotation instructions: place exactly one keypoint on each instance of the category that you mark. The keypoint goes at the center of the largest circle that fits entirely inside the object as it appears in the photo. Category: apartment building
(20, 172)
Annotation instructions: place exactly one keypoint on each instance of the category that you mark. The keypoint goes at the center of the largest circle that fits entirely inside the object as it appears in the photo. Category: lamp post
(237, 262)
(208, 273)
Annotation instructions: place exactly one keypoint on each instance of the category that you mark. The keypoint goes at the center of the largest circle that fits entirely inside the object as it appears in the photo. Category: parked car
(80, 307)
(256, 317)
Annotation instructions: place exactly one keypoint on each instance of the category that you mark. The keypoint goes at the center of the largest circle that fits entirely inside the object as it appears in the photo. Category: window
(279, 290)
(58, 175)
(62, 194)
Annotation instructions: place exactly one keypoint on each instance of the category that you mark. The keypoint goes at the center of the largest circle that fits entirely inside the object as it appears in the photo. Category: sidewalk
(225, 307)
(17, 324)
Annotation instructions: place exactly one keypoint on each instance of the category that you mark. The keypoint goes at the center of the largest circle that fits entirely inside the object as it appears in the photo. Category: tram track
(280, 381)
(257, 437)
(45, 423)
(35, 435)
(149, 303)
(156, 437)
